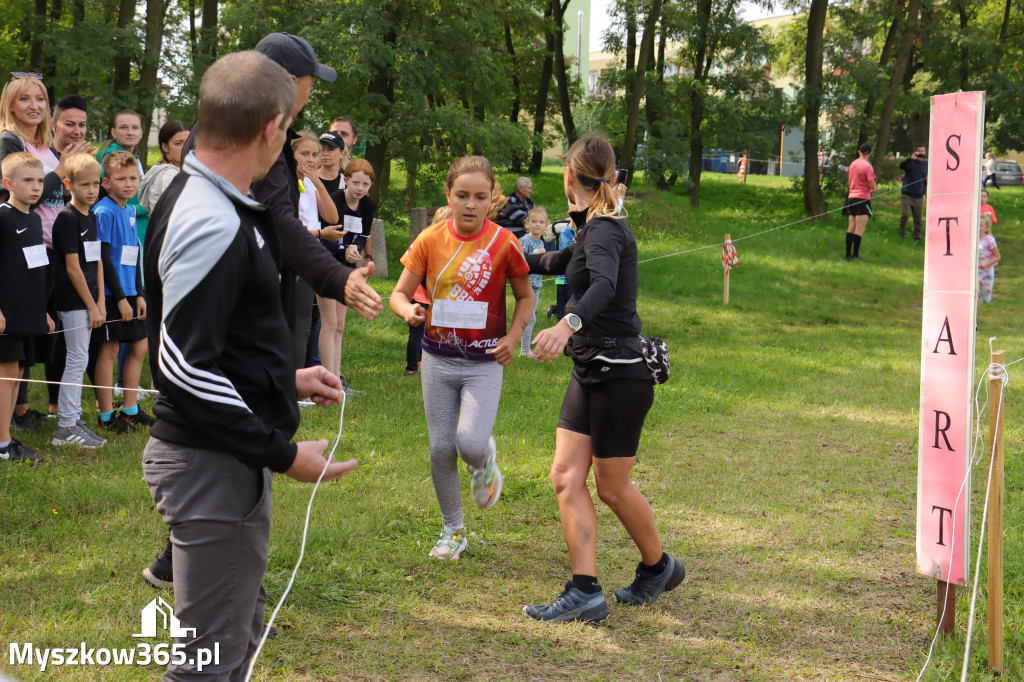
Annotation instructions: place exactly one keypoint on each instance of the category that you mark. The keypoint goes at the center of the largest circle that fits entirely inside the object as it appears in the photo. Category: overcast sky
(599, 21)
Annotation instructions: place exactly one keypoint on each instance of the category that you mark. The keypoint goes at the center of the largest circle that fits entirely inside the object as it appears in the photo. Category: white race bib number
(354, 224)
(35, 256)
(459, 314)
(129, 255)
(92, 251)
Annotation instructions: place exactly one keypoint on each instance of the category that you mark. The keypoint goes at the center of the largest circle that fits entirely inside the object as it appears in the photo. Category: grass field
(781, 460)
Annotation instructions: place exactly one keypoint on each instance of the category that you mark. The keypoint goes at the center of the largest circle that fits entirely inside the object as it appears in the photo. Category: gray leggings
(460, 398)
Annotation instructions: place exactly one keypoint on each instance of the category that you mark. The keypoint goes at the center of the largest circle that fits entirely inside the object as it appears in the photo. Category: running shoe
(16, 451)
(32, 420)
(487, 481)
(117, 424)
(77, 435)
(85, 426)
(160, 573)
(572, 604)
(139, 419)
(646, 589)
(451, 544)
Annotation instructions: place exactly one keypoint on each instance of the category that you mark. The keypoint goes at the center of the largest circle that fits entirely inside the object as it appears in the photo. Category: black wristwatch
(368, 256)
(574, 322)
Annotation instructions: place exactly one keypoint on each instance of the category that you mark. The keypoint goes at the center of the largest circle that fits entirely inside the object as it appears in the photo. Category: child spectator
(78, 294)
(172, 138)
(25, 126)
(465, 263)
(988, 256)
(356, 211)
(533, 242)
(126, 133)
(314, 201)
(126, 307)
(23, 266)
(985, 208)
(562, 290)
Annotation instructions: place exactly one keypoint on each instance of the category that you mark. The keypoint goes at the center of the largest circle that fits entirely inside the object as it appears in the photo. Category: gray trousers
(460, 398)
(915, 206)
(76, 338)
(219, 513)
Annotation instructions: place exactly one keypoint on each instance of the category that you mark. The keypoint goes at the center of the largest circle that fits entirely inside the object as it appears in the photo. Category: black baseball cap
(333, 139)
(296, 55)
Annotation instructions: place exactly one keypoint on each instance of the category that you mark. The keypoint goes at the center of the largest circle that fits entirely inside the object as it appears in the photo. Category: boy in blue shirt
(126, 307)
(23, 269)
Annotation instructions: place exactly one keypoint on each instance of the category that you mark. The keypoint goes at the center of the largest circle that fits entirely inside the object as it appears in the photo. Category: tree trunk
(77, 17)
(36, 37)
(208, 34)
(965, 63)
(561, 75)
(883, 62)
(633, 110)
(513, 117)
(123, 60)
(899, 68)
(814, 200)
(697, 99)
(382, 90)
(193, 47)
(156, 15)
(655, 111)
(1000, 45)
(629, 7)
(540, 113)
(412, 199)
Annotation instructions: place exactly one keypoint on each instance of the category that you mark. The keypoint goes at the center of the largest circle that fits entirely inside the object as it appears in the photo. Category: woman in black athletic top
(609, 394)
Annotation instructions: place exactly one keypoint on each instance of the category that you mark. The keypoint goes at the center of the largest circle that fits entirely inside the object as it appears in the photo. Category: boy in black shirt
(79, 294)
(23, 264)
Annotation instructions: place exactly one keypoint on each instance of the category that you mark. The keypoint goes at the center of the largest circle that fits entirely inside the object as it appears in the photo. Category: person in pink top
(858, 201)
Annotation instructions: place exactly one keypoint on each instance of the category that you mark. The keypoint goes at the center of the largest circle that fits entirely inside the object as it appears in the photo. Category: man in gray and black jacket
(221, 357)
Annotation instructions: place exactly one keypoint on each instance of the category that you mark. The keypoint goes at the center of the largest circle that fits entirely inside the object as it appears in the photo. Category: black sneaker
(572, 604)
(646, 589)
(32, 420)
(16, 451)
(552, 311)
(139, 419)
(160, 574)
(117, 424)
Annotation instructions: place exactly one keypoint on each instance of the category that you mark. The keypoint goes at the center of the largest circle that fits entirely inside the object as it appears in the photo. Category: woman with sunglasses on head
(609, 395)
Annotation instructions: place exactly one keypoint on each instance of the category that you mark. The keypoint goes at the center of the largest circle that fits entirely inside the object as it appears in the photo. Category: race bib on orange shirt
(460, 270)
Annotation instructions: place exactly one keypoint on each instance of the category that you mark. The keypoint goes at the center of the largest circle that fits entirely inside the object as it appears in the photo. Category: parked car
(1009, 173)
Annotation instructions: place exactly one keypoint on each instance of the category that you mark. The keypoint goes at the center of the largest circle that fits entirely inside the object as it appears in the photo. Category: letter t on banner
(947, 336)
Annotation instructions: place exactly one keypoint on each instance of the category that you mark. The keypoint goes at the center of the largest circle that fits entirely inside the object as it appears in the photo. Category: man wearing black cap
(279, 191)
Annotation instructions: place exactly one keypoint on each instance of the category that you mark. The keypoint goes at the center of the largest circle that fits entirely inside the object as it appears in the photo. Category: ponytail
(592, 161)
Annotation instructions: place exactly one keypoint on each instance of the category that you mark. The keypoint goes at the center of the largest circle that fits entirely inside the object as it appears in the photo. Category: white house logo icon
(166, 614)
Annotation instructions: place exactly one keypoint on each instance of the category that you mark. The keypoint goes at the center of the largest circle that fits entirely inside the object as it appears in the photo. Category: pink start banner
(947, 335)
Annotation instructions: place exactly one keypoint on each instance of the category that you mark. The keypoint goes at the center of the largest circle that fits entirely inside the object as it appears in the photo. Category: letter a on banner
(947, 336)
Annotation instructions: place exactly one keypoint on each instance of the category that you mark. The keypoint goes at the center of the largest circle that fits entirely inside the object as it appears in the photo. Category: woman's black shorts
(857, 207)
(612, 413)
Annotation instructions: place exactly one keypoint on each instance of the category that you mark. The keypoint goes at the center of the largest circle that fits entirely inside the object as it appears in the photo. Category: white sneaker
(487, 481)
(451, 544)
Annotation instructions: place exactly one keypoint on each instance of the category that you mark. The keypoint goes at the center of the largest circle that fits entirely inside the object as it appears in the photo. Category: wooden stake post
(995, 519)
(725, 290)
